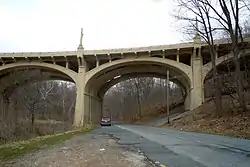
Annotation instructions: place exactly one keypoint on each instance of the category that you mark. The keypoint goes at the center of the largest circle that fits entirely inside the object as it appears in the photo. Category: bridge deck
(169, 47)
(183, 50)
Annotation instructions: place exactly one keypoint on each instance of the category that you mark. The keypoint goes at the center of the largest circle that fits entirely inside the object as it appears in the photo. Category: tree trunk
(218, 104)
(32, 117)
(216, 83)
(239, 80)
(138, 105)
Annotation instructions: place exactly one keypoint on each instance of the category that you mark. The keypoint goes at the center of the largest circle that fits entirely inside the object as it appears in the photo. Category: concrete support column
(81, 109)
(187, 102)
(110, 59)
(178, 55)
(95, 110)
(67, 64)
(97, 61)
(80, 98)
(196, 94)
(164, 54)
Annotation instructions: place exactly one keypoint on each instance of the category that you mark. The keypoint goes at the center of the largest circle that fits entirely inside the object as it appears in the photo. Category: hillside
(229, 122)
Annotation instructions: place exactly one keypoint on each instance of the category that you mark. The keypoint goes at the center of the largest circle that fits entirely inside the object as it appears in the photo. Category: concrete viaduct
(95, 71)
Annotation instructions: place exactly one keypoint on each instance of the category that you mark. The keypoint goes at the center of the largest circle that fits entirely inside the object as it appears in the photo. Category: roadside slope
(204, 119)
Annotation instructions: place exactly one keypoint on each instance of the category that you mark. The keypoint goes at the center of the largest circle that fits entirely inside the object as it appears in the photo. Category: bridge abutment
(95, 111)
(187, 102)
(196, 93)
(82, 111)
(80, 106)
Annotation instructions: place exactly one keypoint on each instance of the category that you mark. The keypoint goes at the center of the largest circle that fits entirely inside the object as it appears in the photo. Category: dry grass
(158, 112)
(16, 149)
(204, 119)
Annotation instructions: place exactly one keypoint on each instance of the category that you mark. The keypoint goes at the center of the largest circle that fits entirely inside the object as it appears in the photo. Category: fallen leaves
(203, 119)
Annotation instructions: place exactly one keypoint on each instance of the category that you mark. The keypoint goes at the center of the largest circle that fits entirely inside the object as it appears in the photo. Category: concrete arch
(94, 79)
(208, 67)
(146, 70)
(112, 68)
(9, 88)
(71, 74)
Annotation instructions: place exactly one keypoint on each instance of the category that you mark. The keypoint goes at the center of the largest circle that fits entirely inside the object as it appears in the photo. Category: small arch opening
(35, 102)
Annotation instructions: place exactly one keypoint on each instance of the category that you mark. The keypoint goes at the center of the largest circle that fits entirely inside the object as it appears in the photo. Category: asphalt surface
(182, 149)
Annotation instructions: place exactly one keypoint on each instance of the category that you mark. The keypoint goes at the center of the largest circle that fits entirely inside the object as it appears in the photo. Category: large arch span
(37, 71)
(18, 79)
(184, 69)
(97, 80)
(97, 77)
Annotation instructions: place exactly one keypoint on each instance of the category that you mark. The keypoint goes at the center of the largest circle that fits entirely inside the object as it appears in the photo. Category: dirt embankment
(230, 121)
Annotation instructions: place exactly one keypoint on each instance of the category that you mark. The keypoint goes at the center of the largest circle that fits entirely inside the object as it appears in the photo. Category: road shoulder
(90, 150)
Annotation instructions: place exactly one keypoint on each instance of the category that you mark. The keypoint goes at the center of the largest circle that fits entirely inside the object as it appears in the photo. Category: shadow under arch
(226, 74)
(221, 61)
(50, 71)
(96, 78)
(33, 75)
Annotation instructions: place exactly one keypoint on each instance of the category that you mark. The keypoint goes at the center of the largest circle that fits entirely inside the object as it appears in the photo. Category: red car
(105, 121)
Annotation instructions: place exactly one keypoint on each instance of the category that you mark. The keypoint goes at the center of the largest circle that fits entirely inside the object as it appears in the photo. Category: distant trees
(138, 97)
(30, 106)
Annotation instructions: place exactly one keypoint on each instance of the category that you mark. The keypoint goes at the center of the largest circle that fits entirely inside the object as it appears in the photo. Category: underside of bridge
(99, 81)
(228, 66)
(226, 75)
(13, 78)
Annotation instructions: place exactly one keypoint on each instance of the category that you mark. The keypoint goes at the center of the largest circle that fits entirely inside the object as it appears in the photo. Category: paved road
(183, 149)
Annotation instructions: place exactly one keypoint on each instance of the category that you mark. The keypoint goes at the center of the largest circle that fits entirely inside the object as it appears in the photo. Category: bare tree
(231, 10)
(45, 90)
(67, 101)
(200, 23)
(32, 100)
(135, 98)
(216, 17)
(27, 103)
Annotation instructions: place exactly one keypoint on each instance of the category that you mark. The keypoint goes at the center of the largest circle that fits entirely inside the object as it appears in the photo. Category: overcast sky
(54, 25)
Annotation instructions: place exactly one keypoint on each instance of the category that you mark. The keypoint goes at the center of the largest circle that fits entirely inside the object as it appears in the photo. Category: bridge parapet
(179, 47)
(38, 54)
